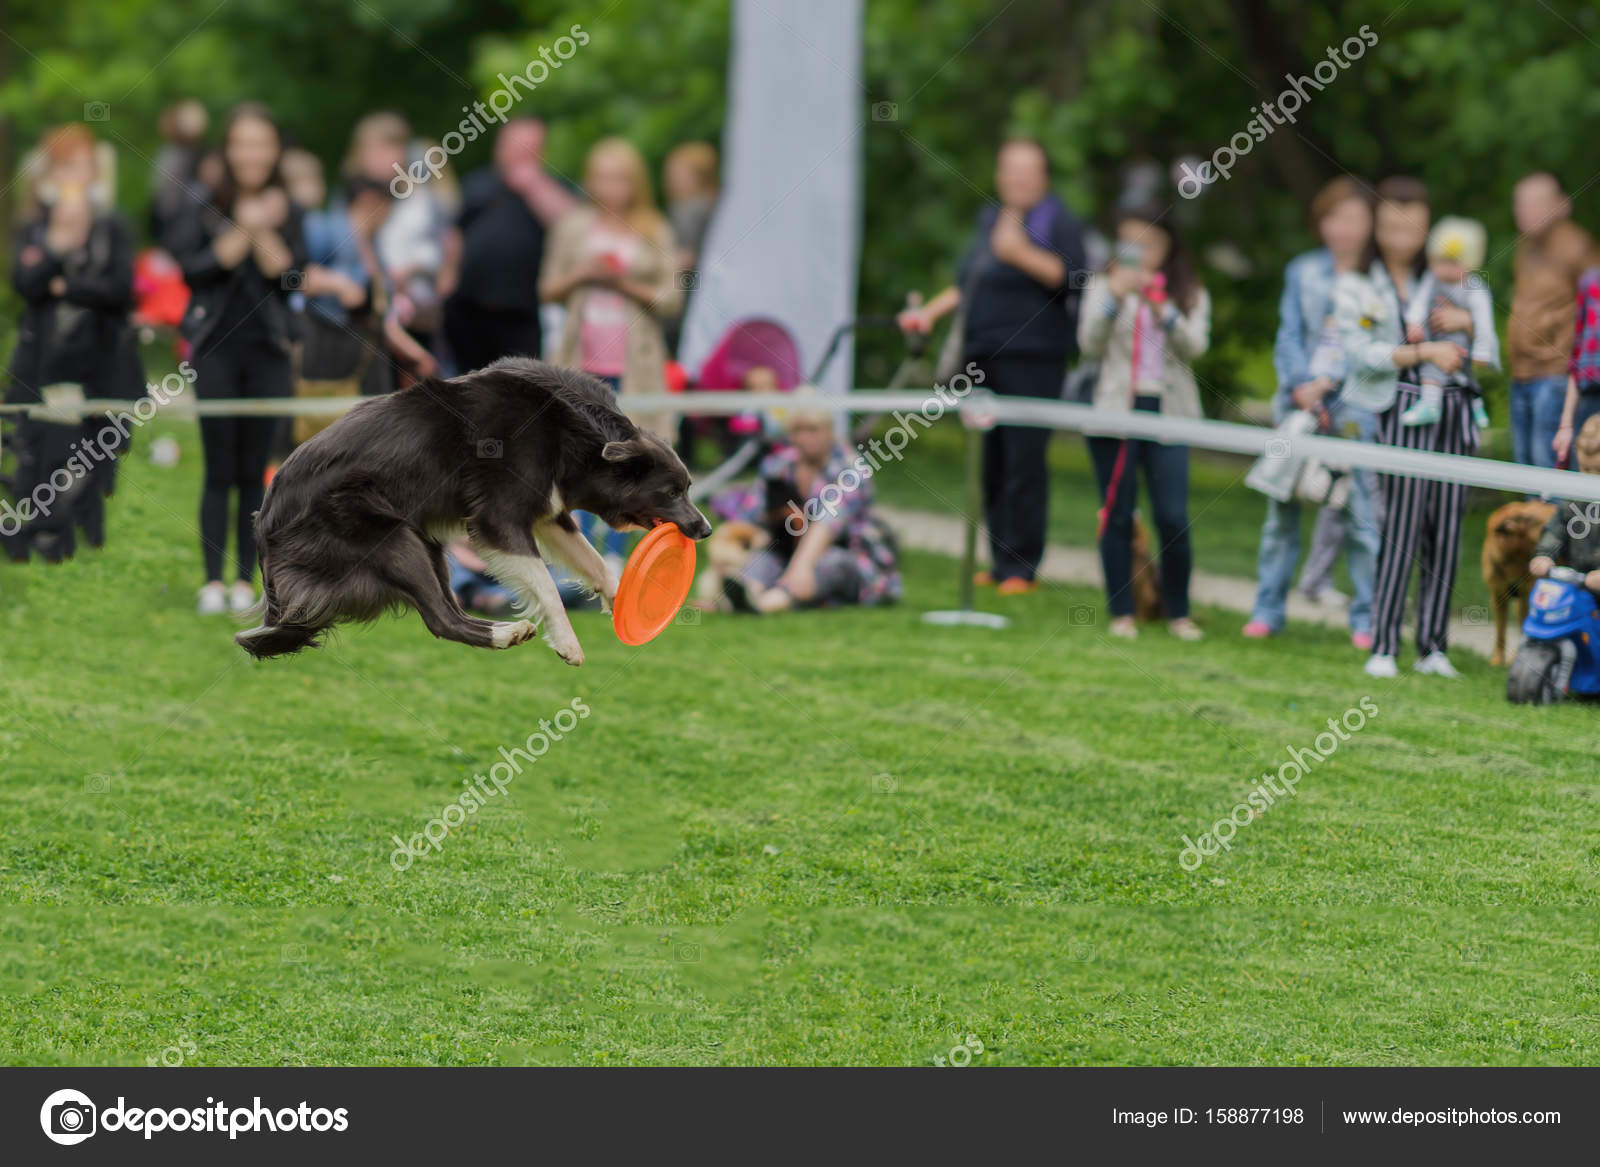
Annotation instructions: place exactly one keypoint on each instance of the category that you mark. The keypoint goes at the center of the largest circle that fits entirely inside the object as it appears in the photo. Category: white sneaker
(1379, 665)
(1436, 664)
(241, 597)
(213, 600)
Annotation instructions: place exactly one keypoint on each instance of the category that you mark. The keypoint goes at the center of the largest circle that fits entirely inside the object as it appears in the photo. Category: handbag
(333, 362)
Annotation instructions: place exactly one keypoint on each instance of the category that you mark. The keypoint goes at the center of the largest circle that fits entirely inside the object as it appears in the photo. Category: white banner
(784, 242)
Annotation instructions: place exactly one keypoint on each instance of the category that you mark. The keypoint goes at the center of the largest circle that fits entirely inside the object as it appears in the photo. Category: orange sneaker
(1017, 587)
(983, 579)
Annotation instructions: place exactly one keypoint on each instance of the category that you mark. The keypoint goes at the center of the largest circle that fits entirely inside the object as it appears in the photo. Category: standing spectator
(1422, 519)
(689, 180)
(493, 311)
(175, 185)
(1145, 321)
(242, 254)
(1304, 312)
(343, 350)
(1552, 252)
(1017, 291)
(412, 245)
(1583, 373)
(613, 266)
(1312, 362)
(74, 271)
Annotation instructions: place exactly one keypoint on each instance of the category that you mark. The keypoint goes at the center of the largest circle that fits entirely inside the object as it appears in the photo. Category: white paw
(567, 648)
(508, 633)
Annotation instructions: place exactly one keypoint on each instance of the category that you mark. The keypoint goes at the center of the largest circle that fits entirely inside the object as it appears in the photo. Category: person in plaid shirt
(826, 546)
(1583, 372)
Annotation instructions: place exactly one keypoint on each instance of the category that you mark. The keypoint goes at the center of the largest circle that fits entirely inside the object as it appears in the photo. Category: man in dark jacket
(505, 210)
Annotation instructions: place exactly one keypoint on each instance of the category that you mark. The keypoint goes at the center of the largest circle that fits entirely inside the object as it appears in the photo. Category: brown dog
(1146, 592)
(1508, 546)
(730, 547)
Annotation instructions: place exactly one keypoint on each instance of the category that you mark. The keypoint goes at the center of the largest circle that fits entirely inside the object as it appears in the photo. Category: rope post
(974, 508)
(977, 418)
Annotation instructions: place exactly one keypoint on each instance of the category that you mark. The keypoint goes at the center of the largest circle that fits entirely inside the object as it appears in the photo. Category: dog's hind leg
(512, 557)
(562, 540)
(408, 566)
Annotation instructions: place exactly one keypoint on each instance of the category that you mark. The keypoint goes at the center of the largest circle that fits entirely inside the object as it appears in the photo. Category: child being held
(1455, 253)
(1572, 536)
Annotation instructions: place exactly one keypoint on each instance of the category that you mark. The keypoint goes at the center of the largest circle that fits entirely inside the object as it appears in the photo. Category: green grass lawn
(825, 838)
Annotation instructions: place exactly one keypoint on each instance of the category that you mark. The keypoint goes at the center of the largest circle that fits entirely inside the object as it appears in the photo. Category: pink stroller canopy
(746, 345)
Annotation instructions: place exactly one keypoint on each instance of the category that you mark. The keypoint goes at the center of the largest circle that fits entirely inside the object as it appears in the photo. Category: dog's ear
(622, 451)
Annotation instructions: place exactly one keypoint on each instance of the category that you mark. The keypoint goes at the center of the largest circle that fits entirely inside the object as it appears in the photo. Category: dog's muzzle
(691, 522)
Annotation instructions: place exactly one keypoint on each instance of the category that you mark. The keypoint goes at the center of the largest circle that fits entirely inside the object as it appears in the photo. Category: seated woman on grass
(824, 545)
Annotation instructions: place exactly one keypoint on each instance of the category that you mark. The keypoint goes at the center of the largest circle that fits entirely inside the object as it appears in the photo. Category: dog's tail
(277, 639)
(276, 635)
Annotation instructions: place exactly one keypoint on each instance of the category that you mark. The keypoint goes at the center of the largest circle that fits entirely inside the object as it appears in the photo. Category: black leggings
(1016, 477)
(236, 448)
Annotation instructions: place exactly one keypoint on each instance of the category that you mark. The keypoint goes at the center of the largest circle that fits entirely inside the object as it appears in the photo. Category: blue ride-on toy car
(1560, 651)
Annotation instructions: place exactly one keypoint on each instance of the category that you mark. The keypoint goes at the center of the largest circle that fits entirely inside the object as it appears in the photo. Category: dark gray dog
(355, 521)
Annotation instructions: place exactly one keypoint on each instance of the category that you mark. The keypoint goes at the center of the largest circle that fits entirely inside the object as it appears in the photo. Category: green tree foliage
(1466, 94)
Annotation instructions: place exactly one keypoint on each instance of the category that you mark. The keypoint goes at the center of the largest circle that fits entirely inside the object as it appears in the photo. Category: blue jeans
(1166, 474)
(1280, 539)
(1535, 416)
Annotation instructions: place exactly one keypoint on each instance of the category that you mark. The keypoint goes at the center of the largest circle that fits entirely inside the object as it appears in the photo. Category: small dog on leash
(1507, 547)
(355, 522)
(1147, 607)
(727, 551)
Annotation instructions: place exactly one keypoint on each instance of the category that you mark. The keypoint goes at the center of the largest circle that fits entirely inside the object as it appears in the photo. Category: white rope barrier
(913, 411)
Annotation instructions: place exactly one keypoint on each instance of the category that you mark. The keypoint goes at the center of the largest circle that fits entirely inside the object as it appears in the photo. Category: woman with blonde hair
(812, 497)
(613, 265)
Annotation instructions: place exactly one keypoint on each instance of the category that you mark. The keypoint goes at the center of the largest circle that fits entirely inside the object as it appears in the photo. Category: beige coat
(1109, 339)
(655, 264)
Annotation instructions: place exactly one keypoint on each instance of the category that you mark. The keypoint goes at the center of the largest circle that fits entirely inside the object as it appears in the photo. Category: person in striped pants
(1422, 519)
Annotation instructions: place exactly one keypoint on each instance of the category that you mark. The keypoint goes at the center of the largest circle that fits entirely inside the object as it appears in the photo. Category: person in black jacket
(1018, 288)
(242, 256)
(73, 268)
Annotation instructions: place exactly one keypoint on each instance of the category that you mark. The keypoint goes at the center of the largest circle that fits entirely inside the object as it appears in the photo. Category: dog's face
(642, 483)
(1514, 528)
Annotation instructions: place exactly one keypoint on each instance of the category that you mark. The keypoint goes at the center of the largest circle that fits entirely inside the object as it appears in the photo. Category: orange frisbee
(654, 585)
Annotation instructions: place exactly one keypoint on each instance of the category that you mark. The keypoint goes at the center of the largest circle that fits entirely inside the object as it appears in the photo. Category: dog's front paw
(567, 648)
(510, 633)
(608, 593)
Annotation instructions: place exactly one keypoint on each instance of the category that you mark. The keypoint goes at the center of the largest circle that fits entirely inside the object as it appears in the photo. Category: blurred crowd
(279, 278)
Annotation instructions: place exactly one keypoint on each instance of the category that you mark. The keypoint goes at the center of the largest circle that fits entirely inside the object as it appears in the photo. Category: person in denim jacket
(1365, 324)
(1309, 359)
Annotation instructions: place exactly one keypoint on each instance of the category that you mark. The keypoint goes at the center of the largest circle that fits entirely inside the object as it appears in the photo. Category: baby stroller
(748, 344)
(756, 342)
